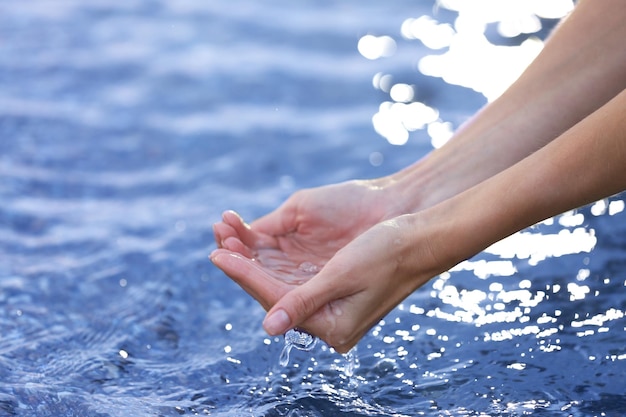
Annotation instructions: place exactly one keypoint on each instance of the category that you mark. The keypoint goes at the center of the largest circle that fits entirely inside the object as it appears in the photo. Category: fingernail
(277, 323)
(214, 257)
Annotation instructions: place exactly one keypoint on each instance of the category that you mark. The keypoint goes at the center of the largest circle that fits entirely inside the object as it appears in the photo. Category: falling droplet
(284, 355)
(352, 361)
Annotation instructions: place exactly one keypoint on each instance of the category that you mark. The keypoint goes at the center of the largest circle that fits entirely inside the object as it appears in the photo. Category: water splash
(299, 339)
(302, 340)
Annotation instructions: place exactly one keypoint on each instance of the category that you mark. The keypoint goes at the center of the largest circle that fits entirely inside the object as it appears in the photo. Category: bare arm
(585, 164)
(554, 141)
(372, 274)
(582, 66)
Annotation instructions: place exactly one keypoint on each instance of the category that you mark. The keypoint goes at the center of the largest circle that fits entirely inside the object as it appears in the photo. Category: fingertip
(215, 256)
(220, 256)
(232, 217)
(277, 322)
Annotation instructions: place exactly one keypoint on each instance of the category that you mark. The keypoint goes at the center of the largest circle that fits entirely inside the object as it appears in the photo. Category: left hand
(292, 243)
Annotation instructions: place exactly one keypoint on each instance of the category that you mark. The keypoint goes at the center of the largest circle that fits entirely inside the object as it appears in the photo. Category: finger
(217, 236)
(251, 276)
(342, 321)
(233, 244)
(227, 238)
(248, 236)
(221, 232)
(277, 223)
(301, 303)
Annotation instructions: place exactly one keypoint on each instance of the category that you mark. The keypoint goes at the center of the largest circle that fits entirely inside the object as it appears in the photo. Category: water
(299, 339)
(127, 128)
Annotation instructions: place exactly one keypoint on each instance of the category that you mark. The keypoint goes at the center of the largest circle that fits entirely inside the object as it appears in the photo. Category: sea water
(126, 129)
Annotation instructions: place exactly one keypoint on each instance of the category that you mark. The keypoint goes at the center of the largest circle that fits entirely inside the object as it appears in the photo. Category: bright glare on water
(126, 128)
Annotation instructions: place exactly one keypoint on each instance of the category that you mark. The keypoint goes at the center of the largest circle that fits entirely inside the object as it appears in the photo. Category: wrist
(423, 247)
(440, 237)
(417, 187)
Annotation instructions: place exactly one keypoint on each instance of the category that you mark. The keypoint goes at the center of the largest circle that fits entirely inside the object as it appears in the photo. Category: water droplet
(300, 339)
(352, 361)
(309, 267)
(284, 355)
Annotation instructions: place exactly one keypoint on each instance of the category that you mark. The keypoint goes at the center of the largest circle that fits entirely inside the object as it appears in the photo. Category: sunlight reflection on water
(135, 126)
(470, 59)
(465, 56)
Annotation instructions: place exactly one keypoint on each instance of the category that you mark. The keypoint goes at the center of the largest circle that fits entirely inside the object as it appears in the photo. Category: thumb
(299, 304)
(278, 222)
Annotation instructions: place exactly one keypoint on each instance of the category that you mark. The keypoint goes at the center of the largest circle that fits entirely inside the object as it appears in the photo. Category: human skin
(555, 140)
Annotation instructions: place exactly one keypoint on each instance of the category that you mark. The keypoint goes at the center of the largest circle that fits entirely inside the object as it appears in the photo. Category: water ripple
(125, 129)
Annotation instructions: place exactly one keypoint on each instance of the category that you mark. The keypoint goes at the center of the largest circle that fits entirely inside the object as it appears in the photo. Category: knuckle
(304, 305)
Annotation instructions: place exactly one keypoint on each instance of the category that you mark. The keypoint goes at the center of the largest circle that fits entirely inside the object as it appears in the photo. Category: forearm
(580, 69)
(585, 164)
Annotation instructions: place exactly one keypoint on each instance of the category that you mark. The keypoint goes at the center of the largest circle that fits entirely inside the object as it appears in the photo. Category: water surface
(126, 129)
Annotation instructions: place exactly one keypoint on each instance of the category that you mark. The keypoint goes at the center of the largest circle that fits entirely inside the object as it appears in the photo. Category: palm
(298, 255)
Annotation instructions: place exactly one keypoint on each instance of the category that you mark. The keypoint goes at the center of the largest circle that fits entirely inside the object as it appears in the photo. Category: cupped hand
(361, 283)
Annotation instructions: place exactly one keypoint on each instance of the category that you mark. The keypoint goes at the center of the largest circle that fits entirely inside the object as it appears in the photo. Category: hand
(361, 283)
(296, 240)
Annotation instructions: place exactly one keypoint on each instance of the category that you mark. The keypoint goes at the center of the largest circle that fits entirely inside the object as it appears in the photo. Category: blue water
(126, 128)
